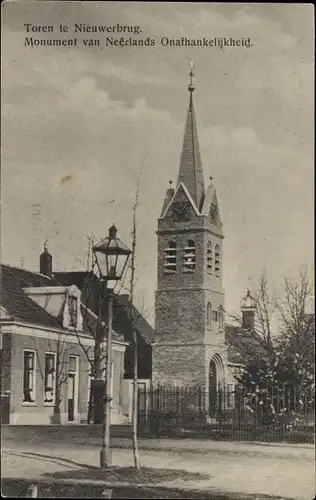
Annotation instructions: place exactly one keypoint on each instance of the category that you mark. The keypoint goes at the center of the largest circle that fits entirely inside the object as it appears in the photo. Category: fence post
(32, 491)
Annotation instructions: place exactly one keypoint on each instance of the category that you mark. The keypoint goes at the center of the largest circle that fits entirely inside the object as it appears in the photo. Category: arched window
(170, 265)
(209, 258)
(189, 257)
(217, 261)
(220, 318)
(209, 316)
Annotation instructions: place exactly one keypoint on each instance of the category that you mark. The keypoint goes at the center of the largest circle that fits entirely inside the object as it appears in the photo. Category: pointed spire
(190, 171)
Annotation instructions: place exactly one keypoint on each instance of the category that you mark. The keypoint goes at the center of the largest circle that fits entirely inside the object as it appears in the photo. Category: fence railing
(268, 414)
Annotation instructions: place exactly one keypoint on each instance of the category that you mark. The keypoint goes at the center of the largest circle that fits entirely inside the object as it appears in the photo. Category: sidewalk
(83, 435)
(286, 471)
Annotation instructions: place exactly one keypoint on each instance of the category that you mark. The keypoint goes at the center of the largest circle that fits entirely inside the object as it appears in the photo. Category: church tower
(189, 349)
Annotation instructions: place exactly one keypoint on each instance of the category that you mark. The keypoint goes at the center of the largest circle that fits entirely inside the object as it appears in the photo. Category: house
(46, 346)
(89, 285)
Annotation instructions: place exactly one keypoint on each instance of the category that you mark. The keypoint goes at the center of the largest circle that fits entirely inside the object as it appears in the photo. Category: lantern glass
(111, 256)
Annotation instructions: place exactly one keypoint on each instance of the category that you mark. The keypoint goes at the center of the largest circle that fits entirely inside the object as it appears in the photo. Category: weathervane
(191, 74)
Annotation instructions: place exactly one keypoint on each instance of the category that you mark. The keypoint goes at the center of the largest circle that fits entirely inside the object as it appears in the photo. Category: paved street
(281, 470)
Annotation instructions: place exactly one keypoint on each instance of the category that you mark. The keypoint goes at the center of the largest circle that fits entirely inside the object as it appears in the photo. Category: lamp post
(111, 256)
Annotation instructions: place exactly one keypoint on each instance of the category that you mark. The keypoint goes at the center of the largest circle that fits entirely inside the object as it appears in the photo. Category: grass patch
(145, 475)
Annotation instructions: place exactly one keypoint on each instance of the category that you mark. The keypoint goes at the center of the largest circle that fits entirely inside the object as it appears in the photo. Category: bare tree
(133, 323)
(277, 367)
(297, 328)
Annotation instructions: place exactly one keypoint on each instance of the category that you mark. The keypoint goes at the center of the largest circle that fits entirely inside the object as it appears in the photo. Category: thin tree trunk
(135, 404)
(57, 412)
(97, 398)
(90, 403)
(135, 373)
(59, 378)
(98, 392)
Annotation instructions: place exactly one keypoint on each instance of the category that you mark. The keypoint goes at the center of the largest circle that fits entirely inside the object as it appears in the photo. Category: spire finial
(46, 245)
(191, 74)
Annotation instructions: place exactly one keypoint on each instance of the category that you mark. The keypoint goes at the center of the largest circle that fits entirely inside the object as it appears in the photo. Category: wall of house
(40, 412)
(5, 363)
(144, 388)
(118, 360)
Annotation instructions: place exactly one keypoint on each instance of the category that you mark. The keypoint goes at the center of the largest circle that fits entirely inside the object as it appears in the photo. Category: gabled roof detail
(187, 194)
(190, 170)
(16, 283)
(17, 303)
(168, 197)
(210, 199)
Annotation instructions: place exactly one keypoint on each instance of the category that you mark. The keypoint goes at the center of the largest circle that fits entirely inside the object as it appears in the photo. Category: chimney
(46, 262)
(248, 307)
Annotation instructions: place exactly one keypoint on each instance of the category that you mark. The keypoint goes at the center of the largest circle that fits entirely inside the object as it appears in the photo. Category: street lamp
(111, 257)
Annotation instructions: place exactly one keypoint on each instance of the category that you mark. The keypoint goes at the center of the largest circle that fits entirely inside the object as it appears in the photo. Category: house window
(189, 257)
(50, 377)
(217, 261)
(72, 364)
(171, 258)
(230, 396)
(29, 376)
(209, 258)
(215, 316)
(209, 316)
(220, 318)
(73, 310)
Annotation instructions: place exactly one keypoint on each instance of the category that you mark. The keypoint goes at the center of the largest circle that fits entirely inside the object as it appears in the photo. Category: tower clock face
(181, 211)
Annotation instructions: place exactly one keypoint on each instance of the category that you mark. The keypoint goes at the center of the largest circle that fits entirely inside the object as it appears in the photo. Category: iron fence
(5, 409)
(261, 414)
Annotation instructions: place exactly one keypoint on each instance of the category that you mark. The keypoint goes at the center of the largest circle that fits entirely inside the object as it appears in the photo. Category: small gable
(211, 206)
(181, 207)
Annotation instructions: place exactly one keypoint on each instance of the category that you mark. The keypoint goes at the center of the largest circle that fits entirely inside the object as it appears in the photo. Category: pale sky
(93, 115)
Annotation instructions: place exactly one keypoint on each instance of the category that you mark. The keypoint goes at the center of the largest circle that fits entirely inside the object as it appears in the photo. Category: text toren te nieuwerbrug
(122, 36)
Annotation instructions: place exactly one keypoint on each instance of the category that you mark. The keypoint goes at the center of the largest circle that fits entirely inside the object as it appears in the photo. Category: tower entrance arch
(216, 384)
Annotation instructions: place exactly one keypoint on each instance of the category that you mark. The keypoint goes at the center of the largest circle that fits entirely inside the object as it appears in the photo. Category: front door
(73, 388)
(71, 397)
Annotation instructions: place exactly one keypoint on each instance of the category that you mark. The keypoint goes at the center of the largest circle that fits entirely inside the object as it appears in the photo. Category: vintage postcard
(157, 258)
